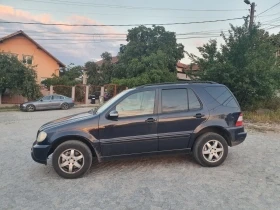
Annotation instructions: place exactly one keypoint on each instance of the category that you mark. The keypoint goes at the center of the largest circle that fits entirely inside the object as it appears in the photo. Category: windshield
(112, 100)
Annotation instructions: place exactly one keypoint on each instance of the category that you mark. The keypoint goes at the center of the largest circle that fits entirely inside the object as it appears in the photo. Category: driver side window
(141, 103)
(46, 98)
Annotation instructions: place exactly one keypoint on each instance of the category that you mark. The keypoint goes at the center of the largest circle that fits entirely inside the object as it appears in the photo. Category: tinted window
(222, 95)
(141, 103)
(193, 101)
(57, 97)
(174, 100)
(46, 98)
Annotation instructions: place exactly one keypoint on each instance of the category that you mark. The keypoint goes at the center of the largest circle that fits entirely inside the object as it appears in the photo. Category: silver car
(48, 102)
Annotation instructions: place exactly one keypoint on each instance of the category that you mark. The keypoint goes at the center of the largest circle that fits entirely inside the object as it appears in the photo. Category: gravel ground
(248, 179)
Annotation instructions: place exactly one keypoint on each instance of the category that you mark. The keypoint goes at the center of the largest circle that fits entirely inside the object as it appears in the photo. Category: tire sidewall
(72, 145)
(199, 148)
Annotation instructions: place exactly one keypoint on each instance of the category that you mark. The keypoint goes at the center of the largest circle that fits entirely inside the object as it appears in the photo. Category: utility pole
(252, 13)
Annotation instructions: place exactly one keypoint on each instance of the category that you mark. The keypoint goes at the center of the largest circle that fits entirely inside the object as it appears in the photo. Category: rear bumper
(237, 135)
(39, 153)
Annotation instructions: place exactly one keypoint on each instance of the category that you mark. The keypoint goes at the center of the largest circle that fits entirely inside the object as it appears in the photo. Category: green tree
(246, 63)
(17, 77)
(100, 75)
(93, 73)
(149, 57)
(67, 76)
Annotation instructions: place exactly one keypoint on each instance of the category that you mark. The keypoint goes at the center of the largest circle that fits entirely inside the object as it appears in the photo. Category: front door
(44, 103)
(180, 112)
(134, 130)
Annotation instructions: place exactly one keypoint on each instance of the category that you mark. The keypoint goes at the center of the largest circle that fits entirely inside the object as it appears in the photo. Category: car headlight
(42, 136)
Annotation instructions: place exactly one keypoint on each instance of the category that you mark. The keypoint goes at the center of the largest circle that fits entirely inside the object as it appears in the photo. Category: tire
(65, 106)
(64, 159)
(30, 108)
(204, 147)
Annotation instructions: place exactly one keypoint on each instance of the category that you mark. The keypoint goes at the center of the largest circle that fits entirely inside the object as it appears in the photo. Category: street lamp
(247, 2)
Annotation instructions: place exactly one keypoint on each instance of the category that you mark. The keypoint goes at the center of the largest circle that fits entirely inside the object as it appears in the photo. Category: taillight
(239, 121)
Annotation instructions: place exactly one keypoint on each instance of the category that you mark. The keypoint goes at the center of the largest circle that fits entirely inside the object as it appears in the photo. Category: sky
(79, 44)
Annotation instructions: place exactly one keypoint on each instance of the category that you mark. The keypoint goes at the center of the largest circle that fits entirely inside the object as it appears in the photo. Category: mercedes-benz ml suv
(202, 118)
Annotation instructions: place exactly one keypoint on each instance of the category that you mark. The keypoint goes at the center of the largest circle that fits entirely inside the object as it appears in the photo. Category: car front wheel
(30, 108)
(210, 150)
(72, 159)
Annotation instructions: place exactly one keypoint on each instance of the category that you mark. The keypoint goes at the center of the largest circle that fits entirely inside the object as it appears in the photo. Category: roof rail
(180, 82)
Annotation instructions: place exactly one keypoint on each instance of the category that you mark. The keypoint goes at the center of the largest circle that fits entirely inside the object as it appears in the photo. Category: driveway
(248, 179)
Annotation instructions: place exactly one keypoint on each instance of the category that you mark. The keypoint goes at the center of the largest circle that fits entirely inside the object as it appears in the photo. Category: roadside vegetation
(17, 77)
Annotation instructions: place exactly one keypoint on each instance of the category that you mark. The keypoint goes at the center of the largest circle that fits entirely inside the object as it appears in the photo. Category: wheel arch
(213, 129)
(63, 139)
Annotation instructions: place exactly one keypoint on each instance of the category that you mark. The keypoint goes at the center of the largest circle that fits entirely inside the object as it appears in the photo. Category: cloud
(66, 46)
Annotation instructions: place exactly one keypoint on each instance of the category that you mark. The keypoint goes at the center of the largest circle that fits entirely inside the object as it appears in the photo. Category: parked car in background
(96, 96)
(48, 102)
(200, 118)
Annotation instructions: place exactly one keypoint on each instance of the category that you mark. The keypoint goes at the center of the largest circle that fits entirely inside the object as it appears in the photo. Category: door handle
(150, 120)
(199, 115)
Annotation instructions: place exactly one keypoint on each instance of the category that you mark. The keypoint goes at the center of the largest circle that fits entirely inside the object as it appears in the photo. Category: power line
(111, 34)
(269, 8)
(270, 15)
(132, 7)
(102, 25)
(107, 14)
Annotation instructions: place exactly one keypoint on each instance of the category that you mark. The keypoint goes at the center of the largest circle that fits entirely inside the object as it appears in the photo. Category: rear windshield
(223, 96)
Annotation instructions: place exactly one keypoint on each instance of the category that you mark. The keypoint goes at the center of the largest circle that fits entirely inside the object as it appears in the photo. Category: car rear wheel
(210, 150)
(72, 159)
(30, 108)
(64, 106)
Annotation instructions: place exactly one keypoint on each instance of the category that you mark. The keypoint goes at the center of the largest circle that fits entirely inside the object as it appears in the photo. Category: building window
(27, 59)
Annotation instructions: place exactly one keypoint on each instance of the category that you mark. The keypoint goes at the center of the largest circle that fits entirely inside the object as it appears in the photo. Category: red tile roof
(115, 59)
(193, 67)
(20, 32)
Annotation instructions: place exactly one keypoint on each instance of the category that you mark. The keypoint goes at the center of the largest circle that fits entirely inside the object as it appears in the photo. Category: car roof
(178, 84)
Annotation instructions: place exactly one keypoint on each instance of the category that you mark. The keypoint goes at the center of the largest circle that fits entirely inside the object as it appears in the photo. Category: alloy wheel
(213, 151)
(71, 161)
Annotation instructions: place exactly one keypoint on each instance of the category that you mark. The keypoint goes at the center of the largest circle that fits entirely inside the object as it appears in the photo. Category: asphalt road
(248, 179)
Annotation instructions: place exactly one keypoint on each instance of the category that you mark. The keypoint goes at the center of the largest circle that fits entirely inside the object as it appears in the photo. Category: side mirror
(114, 113)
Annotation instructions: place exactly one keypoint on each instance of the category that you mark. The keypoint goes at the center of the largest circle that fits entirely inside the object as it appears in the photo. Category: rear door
(180, 112)
(56, 102)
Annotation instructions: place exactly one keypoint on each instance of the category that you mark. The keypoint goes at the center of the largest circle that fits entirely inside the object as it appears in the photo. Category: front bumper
(23, 108)
(237, 135)
(39, 153)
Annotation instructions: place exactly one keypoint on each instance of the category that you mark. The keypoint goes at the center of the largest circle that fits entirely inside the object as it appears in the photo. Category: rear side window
(223, 96)
(194, 103)
(174, 100)
(56, 97)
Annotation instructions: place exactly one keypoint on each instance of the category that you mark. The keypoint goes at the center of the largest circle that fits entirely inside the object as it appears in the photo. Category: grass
(267, 116)
(8, 108)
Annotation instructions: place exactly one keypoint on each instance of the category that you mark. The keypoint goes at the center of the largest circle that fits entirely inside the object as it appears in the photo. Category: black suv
(200, 118)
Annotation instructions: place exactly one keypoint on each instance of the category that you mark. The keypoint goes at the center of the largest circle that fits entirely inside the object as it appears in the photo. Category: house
(115, 59)
(28, 51)
(182, 68)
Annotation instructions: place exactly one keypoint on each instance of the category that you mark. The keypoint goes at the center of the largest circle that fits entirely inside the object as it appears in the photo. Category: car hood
(68, 120)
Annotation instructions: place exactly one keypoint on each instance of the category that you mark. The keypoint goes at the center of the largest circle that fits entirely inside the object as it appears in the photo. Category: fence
(82, 93)
(62, 90)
